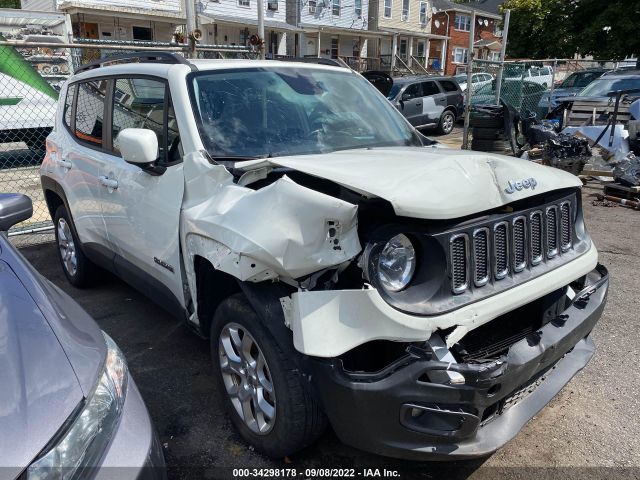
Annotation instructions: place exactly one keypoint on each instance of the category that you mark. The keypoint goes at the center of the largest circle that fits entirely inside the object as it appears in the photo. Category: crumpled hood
(428, 182)
(39, 389)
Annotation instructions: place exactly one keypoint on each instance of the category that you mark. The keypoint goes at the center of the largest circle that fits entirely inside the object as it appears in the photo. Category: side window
(90, 112)
(68, 104)
(430, 88)
(140, 103)
(413, 91)
(448, 86)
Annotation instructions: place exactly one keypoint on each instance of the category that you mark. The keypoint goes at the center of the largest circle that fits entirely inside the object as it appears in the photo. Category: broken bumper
(399, 413)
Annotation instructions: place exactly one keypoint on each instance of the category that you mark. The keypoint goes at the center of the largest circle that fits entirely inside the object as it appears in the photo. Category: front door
(403, 50)
(410, 104)
(141, 210)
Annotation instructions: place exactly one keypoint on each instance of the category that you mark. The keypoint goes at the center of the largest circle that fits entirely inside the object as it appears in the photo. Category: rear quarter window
(68, 105)
(448, 86)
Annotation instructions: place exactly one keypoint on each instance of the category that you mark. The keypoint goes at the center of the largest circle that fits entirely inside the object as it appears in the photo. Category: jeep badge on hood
(520, 184)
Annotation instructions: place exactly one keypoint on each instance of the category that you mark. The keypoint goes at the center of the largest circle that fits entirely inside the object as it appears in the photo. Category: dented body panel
(330, 323)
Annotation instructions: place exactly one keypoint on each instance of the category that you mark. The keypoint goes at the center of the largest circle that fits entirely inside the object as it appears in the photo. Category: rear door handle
(109, 182)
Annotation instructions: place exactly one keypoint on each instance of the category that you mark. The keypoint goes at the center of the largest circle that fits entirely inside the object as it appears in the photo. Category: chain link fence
(530, 87)
(31, 76)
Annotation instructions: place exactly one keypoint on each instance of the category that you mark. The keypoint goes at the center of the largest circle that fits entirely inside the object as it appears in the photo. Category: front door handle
(64, 163)
(109, 182)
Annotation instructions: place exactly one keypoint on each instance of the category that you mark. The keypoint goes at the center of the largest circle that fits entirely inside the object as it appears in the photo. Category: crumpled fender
(281, 230)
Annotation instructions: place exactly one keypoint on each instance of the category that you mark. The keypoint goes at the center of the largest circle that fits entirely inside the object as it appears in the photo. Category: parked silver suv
(425, 301)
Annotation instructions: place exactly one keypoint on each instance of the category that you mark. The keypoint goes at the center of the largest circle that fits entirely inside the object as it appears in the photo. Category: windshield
(604, 86)
(260, 112)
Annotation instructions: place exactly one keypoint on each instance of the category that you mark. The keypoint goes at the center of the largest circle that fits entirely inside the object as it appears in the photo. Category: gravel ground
(587, 431)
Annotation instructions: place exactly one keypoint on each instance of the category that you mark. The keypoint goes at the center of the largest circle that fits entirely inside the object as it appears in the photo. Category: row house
(335, 29)
(407, 28)
(394, 35)
(452, 21)
(233, 22)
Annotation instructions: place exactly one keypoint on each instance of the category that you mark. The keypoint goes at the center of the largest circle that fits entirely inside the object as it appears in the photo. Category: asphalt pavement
(590, 430)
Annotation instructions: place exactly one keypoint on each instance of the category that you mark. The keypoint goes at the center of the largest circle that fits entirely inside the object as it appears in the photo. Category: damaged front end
(467, 401)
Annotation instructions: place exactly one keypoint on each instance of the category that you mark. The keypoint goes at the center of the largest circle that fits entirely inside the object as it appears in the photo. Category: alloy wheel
(247, 378)
(67, 247)
(447, 123)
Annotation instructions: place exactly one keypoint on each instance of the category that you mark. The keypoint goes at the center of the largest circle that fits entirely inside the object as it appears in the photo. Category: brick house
(454, 21)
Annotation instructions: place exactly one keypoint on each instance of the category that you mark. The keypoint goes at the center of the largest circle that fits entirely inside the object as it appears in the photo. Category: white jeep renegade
(426, 302)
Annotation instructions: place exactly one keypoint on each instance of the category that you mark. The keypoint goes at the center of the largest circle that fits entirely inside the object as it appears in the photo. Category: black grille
(508, 247)
(519, 244)
(481, 256)
(552, 231)
(501, 250)
(459, 262)
(565, 226)
(535, 234)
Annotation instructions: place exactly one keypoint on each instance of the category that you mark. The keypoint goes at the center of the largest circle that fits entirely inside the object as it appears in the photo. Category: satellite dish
(437, 23)
(197, 34)
(486, 22)
(479, 21)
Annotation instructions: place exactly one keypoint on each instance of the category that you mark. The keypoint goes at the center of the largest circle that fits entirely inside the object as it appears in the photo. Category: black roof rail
(141, 57)
(332, 62)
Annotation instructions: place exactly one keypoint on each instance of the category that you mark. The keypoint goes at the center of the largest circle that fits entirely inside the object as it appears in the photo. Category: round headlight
(397, 263)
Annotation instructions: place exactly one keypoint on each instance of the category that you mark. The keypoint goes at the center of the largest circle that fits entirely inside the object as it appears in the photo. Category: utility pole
(261, 50)
(467, 107)
(188, 7)
(503, 52)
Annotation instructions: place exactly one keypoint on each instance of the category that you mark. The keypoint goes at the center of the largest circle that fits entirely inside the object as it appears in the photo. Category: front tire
(265, 395)
(78, 269)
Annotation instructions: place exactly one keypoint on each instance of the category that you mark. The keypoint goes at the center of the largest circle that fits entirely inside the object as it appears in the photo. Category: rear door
(435, 101)
(79, 156)
(142, 208)
(411, 104)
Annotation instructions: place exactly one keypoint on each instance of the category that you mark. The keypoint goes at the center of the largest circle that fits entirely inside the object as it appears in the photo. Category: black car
(423, 100)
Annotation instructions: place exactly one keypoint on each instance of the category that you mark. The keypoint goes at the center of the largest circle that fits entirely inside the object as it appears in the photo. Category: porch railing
(362, 64)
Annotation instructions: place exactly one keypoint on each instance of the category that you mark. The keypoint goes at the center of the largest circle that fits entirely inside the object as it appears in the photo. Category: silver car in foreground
(68, 405)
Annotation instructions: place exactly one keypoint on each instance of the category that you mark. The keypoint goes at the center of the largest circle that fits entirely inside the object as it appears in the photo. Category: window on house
(312, 6)
(460, 55)
(357, 6)
(272, 5)
(423, 13)
(463, 22)
(244, 3)
(244, 36)
(494, 56)
(142, 33)
(405, 10)
(387, 8)
(335, 9)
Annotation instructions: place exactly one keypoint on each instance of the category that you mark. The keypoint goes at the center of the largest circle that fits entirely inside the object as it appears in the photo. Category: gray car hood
(428, 182)
(38, 387)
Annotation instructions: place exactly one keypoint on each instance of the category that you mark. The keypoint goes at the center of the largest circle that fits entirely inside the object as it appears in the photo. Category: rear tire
(447, 122)
(296, 420)
(78, 269)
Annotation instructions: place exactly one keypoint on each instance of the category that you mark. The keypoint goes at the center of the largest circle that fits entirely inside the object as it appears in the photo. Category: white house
(232, 22)
(150, 20)
(334, 28)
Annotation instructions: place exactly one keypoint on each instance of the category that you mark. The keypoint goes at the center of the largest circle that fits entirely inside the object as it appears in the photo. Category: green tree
(562, 28)
(9, 3)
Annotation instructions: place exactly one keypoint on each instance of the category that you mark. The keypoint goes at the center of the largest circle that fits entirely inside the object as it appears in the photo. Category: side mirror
(405, 97)
(138, 146)
(14, 208)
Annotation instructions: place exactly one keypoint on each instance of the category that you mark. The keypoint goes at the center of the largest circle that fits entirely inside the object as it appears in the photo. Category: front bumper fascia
(373, 412)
